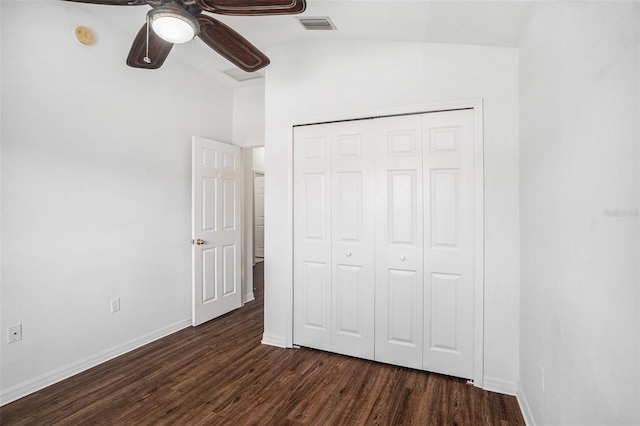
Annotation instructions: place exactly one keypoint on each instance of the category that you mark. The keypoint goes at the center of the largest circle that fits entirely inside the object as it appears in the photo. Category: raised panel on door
(443, 313)
(353, 239)
(229, 204)
(209, 210)
(315, 200)
(209, 274)
(313, 291)
(444, 207)
(229, 274)
(347, 303)
(312, 237)
(399, 241)
(449, 242)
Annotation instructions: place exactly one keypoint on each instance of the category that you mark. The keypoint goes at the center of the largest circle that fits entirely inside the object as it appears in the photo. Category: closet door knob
(348, 254)
(403, 258)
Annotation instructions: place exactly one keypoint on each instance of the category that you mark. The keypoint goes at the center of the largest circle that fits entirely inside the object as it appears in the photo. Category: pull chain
(146, 58)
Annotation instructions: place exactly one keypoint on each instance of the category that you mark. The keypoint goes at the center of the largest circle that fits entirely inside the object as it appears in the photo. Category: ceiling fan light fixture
(174, 25)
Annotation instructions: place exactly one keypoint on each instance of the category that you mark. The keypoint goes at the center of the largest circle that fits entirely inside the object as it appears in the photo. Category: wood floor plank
(220, 374)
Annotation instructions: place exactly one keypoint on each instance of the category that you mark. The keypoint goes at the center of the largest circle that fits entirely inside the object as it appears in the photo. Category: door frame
(255, 174)
(248, 258)
(478, 114)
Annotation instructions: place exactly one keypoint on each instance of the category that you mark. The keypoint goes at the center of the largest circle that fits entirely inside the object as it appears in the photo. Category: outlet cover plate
(115, 305)
(14, 333)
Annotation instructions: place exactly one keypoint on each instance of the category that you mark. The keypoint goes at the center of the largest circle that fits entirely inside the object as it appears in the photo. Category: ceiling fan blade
(231, 45)
(253, 7)
(113, 2)
(158, 50)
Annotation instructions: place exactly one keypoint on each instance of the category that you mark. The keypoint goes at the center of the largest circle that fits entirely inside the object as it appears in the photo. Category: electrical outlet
(115, 305)
(14, 333)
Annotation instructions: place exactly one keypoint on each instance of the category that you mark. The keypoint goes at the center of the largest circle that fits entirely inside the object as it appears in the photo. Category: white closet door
(353, 239)
(384, 240)
(312, 236)
(449, 242)
(399, 241)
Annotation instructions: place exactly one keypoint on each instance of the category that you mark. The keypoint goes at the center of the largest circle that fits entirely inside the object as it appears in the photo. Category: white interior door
(399, 241)
(448, 178)
(258, 219)
(216, 210)
(312, 237)
(352, 247)
(334, 238)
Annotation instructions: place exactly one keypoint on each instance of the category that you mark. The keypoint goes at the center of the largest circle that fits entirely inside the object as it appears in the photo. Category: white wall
(248, 114)
(320, 79)
(258, 159)
(579, 149)
(96, 189)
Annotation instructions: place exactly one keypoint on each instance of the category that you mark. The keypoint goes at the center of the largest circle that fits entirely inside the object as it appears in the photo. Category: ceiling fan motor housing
(173, 23)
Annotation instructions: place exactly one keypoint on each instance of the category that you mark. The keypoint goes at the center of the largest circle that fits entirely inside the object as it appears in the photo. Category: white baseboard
(493, 384)
(271, 340)
(510, 387)
(33, 385)
(248, 298)
(524, 407)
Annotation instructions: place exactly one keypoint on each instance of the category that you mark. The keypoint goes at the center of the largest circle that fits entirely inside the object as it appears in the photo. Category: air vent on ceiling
(239, 75)
(317, 23)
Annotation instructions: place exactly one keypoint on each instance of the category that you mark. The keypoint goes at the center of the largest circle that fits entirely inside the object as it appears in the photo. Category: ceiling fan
(178, 21)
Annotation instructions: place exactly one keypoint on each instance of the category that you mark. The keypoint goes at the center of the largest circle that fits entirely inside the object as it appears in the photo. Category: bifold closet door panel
(399, 241)
(312, 236)
(448, 182)
(334, 238)
(353, 239)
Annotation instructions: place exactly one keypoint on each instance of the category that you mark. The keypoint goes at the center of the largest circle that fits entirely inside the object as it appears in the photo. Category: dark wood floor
(220, 374)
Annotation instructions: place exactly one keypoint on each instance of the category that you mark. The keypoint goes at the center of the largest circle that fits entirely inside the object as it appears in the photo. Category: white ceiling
(478, 22)
(495, 23)
(492, 23)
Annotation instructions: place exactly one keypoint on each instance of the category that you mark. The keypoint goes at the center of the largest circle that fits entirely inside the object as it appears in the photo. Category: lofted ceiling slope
(479, 22)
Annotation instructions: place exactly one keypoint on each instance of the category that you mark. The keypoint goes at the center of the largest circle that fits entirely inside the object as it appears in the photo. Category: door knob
(348, 254)
(197, 242)
(403, 258)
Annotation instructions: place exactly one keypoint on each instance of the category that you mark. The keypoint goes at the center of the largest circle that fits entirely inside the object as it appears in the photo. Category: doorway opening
(253, 216)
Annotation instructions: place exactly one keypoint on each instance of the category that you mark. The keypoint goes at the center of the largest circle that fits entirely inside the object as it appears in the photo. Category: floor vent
(317, 23)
